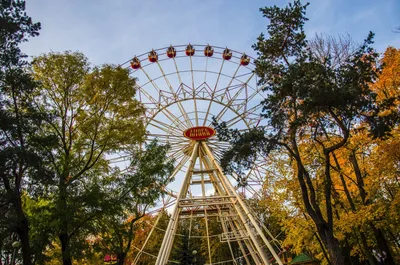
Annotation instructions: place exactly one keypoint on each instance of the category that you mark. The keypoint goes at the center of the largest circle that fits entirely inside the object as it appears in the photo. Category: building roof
(302, 258)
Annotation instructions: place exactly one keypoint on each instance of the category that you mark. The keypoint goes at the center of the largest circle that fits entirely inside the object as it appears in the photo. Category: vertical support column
(254, 223)
(221, 191)
(168, 239)
(221, 186)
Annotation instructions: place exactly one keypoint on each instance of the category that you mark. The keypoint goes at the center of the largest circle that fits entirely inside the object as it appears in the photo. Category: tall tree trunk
(66, 255)
(325, 229)
(367, 251)
(379, 236)
(23, 230)
(121, 258)
(364, 243)
(22, 225)
(332, 245)
(383, 246)
(63, 235)
(323, 248)
(23, 233)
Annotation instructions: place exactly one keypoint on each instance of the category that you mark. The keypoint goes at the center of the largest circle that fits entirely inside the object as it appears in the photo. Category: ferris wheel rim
(254, 91)
(185, 45)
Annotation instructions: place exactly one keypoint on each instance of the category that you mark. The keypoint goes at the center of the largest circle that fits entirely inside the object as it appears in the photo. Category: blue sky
(113, 31)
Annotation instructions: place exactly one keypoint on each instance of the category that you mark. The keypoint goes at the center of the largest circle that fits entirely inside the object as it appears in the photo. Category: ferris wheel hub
(199, 133)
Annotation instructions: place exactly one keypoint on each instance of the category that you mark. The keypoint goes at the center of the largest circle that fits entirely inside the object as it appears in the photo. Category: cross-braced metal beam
(237, 222)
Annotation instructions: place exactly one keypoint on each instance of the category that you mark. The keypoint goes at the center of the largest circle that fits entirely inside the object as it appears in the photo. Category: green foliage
(137, 190)
(41, 220)
(22, 160)
(94, 115)
(188, 249)
(15, 28)
(184, 253)
(142, 232)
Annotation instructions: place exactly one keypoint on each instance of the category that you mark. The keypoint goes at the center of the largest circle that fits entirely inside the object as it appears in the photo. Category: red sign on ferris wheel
(199, 133)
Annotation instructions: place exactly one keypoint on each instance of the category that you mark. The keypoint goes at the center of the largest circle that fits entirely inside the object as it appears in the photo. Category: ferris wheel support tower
(182, 91)
(226, 202)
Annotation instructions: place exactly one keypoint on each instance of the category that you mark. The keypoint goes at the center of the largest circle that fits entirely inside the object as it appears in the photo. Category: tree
(142, 232)
(20, 152)
(94, 115)
(213, 249)
(336, 49)
(186, 249)
(138, 190)
(310, 103)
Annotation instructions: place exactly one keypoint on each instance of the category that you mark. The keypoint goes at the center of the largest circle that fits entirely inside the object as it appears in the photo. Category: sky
(113, 31)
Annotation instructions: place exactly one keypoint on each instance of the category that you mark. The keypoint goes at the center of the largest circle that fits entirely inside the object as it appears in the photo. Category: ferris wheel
(183, 88)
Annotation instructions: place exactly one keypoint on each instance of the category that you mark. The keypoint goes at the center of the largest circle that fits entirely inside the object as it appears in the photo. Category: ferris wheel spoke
(119, 159)
(177, 71)
(158, 103)
(165, 136)
(257, 174)
(166, 128)
(232, 79)
(253, 192)
(178, 167)
(205, 72)
(234, 97)
(194, 93)
(143, 92)
(152, 112)
(181, 84)
(164, 139)
(226, 108)
(180, 106)
(245, 115)
(154, 84)
(168, 142)
(213, 92)
(176, 153)
(250, 97)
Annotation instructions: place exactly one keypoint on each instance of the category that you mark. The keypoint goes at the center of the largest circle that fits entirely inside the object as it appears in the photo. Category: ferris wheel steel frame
(166, 110)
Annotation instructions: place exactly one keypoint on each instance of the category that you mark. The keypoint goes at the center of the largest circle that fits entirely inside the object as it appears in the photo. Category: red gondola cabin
(135, 63)
(227, 54)
(171, 52)
(190, 50)
(208, 51)
(153, 56)
(244, 60)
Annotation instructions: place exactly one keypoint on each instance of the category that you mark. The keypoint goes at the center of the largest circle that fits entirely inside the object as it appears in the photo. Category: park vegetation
(331, 140)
